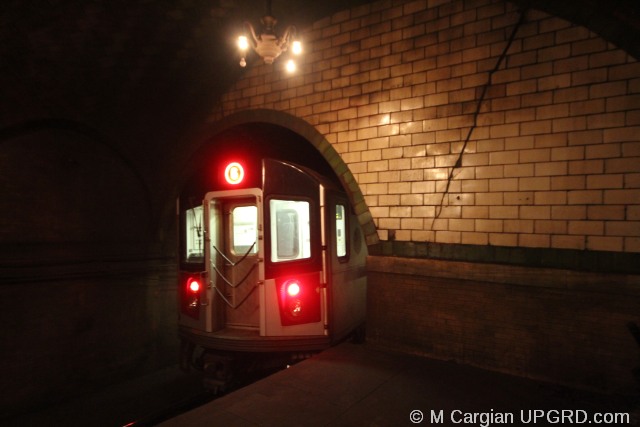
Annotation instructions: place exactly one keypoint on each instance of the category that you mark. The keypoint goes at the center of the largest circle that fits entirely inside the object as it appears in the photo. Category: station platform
(363, 385)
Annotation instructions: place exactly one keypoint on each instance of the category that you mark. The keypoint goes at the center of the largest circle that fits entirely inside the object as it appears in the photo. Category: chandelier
(267, 44)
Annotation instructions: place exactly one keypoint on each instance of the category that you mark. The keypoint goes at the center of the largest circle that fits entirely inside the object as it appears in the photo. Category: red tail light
(193, 285)
(293, 288)
(291, 299)
(190, 294)
(299, 299)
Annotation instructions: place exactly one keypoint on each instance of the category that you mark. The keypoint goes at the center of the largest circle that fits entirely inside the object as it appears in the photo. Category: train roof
(270, 163)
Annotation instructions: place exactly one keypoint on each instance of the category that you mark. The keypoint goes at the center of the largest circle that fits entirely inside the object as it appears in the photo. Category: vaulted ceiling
(146, 73)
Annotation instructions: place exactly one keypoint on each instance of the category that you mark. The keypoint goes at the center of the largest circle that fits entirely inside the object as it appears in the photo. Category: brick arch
(470, 123)
(324, 147)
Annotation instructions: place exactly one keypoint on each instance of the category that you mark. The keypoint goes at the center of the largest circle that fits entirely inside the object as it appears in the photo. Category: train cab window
(245, 230)
(290, 230)
(341, 231)
(194, 244)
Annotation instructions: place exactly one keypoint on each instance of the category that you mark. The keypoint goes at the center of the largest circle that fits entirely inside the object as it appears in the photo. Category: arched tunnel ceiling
(145, 74)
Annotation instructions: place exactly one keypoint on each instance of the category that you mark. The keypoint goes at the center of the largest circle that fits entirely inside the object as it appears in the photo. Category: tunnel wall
(480, 135)
(84, 298)
(563, 326)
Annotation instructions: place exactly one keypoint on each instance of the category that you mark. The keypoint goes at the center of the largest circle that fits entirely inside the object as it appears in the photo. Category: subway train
(272, 269)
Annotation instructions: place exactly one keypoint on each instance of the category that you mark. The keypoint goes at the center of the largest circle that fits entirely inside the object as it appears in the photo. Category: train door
(233, 251)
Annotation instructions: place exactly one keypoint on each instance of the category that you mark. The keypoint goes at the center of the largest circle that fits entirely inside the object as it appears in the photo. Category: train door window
(244, 230)
(341, 231)
(290, 230)
(194, 244)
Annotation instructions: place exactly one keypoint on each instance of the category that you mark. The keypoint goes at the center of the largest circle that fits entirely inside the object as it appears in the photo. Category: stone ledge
(569, 259)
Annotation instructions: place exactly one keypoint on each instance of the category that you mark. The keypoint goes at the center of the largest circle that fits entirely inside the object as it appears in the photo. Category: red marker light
(194, 286)
(234, 173)
(293, 289)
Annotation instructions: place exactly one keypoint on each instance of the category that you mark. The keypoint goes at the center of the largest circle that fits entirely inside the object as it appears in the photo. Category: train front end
(254, 268)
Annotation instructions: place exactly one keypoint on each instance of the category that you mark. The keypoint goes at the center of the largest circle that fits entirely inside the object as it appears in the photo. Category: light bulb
(296, 47)
(243, 43)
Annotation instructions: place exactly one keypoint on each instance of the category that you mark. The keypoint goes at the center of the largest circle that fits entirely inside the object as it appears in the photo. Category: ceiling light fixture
(268, 45)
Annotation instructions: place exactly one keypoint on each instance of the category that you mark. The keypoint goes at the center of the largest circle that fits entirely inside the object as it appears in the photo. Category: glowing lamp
(296, 47)
(290, 66)
(194, 286)
(267, 44)
(293, 289)
(234, 173)
(243, 43)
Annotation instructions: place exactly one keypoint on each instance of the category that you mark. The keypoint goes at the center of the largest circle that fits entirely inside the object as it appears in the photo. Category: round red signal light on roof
(234, 173)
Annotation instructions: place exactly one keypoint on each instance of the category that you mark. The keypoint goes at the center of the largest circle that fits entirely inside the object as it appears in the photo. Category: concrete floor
(360, 385)
(348, 385)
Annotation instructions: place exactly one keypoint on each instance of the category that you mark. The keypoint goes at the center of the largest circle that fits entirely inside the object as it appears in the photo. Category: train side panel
(347, 273)
(293, 254)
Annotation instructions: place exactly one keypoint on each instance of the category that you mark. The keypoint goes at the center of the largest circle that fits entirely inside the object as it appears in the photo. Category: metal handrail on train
(233, 264)
(229, 302)
(228, 282)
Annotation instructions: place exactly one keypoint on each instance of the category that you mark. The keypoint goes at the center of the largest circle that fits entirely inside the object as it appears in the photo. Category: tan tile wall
(554, 161)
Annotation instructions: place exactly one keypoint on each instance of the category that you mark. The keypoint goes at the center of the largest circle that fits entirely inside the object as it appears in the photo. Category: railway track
(191, 402)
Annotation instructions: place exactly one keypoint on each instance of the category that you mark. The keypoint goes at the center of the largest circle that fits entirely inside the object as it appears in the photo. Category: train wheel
(218, 372)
